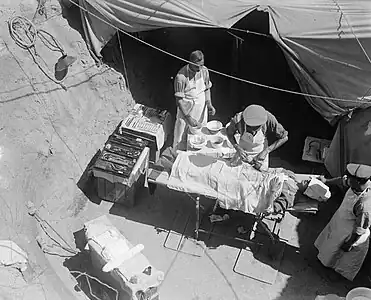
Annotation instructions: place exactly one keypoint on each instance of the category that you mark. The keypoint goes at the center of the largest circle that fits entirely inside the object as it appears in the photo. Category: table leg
(197, 216)
(266, 229)
(152, 188)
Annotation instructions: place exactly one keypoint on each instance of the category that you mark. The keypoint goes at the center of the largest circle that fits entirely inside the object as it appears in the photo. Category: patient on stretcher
(236, 187)
(240, 188)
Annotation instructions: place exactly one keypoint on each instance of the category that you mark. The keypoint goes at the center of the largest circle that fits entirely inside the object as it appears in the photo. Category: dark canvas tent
(325, 42)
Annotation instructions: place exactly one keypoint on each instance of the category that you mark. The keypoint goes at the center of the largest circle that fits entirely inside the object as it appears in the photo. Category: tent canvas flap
(327, 43)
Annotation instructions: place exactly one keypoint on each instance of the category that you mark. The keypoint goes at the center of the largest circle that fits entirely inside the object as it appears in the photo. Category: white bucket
(360, 293)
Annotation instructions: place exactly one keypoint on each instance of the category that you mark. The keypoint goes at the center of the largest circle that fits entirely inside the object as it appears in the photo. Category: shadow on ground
(86, 182)
(81, 268)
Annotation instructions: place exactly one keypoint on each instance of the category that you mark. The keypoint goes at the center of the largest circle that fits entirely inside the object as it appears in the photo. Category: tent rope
(25, 34)
(217, 72)
(351, 29)
(358, 41)
(245, 31)
(123, 62)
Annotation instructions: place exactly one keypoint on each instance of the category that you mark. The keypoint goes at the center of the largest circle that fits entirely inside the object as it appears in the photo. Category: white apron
(196, 95)
(336, 232)
(254, 144)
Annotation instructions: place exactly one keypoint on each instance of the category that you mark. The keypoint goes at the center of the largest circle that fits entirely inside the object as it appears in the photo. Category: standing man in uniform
(253, 125)
(192, 93)
(343, 244)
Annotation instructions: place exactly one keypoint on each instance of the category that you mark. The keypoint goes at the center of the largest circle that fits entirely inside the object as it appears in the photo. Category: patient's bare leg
(253, 229)
(215, 206)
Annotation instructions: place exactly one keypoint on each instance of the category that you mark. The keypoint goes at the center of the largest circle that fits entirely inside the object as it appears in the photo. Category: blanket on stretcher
(240, 188)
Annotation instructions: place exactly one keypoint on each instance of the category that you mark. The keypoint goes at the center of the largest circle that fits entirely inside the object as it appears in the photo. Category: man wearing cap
(344, 242)
(192, 93)
(253, 125)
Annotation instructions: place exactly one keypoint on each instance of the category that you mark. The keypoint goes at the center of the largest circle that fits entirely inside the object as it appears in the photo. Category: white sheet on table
(239, 188)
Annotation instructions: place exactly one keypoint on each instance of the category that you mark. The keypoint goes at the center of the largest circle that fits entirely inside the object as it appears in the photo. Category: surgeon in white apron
(344, 242)
(252, 126)
(192, 92)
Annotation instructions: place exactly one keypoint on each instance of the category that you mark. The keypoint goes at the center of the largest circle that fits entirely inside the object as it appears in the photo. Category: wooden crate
(118, 192)
(115, 188)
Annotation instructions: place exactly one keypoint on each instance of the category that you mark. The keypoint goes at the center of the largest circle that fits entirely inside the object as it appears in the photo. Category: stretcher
(156, 177)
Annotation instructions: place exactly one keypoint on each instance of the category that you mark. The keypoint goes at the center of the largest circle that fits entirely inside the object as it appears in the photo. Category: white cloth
(196, 97)
(254, 144)
(337, 231)
(317, 190)
(239, 188)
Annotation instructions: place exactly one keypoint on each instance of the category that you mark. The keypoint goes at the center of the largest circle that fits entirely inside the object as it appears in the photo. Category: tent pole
(123, 62)
(342, 145)
(235, 70)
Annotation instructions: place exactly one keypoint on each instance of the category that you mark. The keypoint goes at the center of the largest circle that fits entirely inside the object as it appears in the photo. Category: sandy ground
(48, 136)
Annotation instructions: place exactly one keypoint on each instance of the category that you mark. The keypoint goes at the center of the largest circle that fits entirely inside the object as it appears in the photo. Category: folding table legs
(259, 220)
(275, 249)
(197, 216)
(182, 234)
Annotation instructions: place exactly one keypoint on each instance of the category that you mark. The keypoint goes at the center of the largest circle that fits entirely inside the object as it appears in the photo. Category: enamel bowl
(214, 126)
(197, 141)
(360, 293)
(216, 141)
